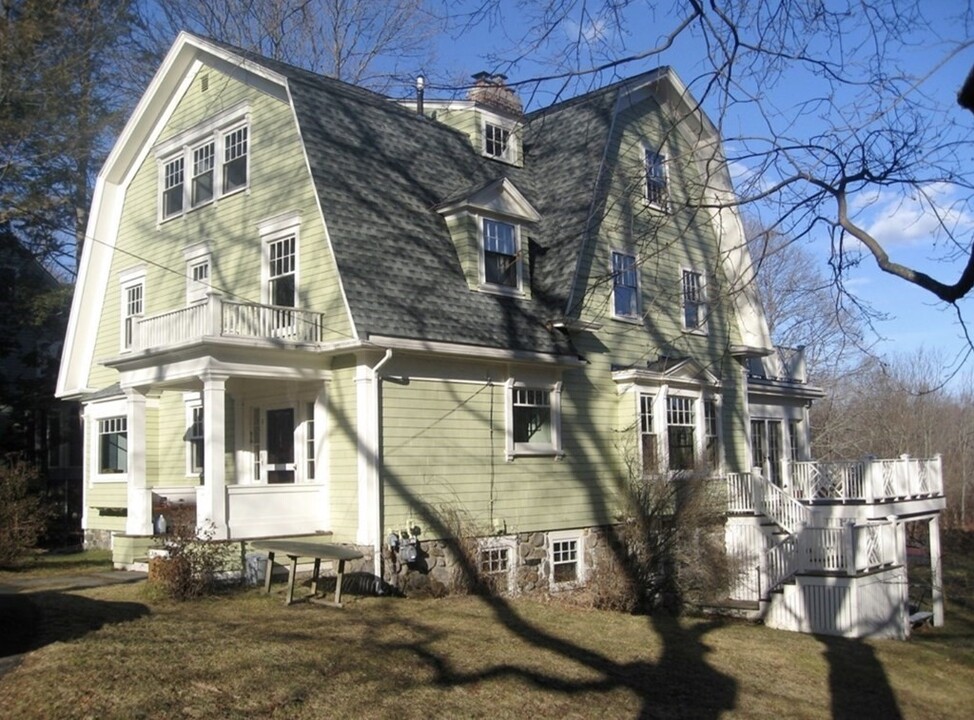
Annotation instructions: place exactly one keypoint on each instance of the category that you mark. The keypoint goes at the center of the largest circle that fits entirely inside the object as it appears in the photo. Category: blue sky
(907, 229)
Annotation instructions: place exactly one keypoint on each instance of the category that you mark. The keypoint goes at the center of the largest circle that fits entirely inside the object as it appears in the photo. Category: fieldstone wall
(98, 540)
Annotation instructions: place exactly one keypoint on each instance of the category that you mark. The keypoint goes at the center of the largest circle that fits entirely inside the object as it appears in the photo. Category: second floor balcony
(218, 318)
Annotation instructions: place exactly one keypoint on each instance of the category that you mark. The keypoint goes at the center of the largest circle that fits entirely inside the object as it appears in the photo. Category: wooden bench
(295, 549)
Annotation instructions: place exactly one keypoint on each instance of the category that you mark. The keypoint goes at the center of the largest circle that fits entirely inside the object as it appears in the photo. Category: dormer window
(501, 257)
(496, 140)
(499, 138)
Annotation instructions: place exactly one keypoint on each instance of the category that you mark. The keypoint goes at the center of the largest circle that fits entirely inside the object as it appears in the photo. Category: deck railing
(227, 318)
(869, 480)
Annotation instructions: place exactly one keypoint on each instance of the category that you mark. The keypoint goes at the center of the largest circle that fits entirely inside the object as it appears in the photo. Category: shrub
(194, 563)
(24, 513)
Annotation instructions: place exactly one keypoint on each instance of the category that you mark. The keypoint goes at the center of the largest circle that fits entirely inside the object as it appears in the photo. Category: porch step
(746, 609)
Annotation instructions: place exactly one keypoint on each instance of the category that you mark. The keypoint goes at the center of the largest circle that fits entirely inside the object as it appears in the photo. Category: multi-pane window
(500, 254)
(194, 440)
(656, 191)
(235, 159)
(113, 445)
(647, 436)
(694, 300)
(196, 174)
(532, 416)
(711, 435)
(680, 424)
(795, 440)
(564, 561)
(133, 299)
(496, 140)
(172, 187)
(625, 285)
(495, 565)
(309, 441)
(203, 158)
(282, 264)
(198, 279)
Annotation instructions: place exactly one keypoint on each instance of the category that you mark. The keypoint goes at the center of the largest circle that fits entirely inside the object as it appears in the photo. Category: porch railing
(869, 480)
(228, 318)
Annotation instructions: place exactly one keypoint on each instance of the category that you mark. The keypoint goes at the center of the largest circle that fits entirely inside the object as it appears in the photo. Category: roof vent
(491, 90)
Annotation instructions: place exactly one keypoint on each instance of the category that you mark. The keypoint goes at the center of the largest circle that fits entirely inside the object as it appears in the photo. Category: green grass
(118, 653)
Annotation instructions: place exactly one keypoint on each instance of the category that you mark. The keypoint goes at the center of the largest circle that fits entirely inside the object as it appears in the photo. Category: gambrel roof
(381, 172)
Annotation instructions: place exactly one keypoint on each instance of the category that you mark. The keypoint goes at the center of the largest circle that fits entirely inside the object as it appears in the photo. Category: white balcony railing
(784, 365)
(227, 318)
(869, 480)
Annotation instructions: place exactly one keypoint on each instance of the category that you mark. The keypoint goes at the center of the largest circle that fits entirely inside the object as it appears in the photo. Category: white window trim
(581, 570)
(183, 145)
(195, 256)
(94, 413)
(512, 153)
(637, 317)
(654, 397)
(659, 152)
(485, 286)
(505, 542)
(661, 395)
(533, 449)
(127, 280)
(703, 328)
(192, 401)
(271, 231)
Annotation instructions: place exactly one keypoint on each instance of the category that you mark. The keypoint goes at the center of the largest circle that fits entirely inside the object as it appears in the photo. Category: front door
(280, 446)
(766, 448)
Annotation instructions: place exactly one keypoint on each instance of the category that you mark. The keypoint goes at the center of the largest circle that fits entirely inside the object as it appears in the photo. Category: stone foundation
(98, 540)
(444, 566)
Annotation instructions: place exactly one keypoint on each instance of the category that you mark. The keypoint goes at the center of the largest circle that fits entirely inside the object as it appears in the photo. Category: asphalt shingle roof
(380, 170)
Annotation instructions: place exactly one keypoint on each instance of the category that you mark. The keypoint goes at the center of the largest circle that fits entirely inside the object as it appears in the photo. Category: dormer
(490, 117)
(490, 227)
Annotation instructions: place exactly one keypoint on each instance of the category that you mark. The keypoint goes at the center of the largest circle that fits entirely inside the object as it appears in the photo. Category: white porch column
(139, 496)
(212, 500)
(936, 571)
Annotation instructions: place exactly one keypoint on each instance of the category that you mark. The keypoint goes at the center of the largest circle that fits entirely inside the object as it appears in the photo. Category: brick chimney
(491, 91)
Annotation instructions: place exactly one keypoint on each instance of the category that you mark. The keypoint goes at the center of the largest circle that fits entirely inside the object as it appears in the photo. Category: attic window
(656, 185)
(496, 140)
(502, 264)
(204, 83)
(203, 165)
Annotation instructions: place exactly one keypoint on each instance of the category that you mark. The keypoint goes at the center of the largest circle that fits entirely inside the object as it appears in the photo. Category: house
(33, 425)
(305, 308)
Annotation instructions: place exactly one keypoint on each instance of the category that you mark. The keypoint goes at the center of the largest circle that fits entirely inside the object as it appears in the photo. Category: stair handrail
(780, 505)
(779, 563)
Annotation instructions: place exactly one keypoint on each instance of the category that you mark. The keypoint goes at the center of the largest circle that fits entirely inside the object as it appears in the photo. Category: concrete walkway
(65, 583)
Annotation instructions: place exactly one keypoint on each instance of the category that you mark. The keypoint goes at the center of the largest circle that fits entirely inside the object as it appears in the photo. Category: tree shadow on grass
(29, 621)
(857, 681)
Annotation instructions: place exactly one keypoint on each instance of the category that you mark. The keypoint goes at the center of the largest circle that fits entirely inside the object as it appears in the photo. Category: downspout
(377, 495)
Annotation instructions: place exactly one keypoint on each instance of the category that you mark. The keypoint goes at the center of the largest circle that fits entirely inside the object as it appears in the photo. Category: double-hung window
(656, 186)
(202, 191)
(680, 424)
(625, 285)
(647, 436)
(534, 420)
(693, 290)
(235, 160)
(172, 187)
(501, 257)
(113, 445)
(711, 434)
(282, 267)
(194, 439)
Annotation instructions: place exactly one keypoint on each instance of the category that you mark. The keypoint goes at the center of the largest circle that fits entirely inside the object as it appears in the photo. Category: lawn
(116, 652)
